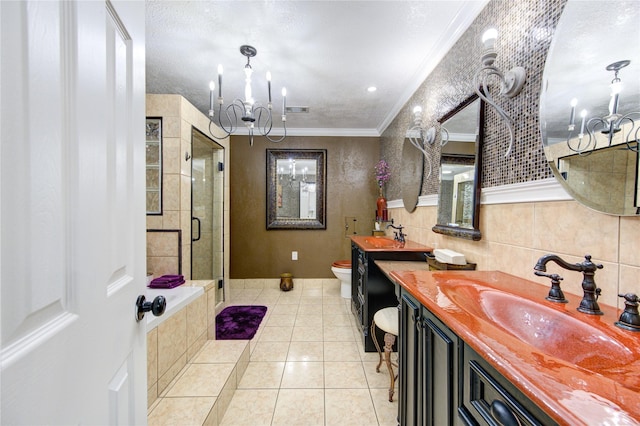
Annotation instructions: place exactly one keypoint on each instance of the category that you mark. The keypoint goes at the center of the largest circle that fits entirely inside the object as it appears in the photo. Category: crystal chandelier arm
(480, 80)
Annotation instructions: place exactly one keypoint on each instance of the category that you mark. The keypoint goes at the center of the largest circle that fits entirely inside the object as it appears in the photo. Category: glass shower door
(207, 206)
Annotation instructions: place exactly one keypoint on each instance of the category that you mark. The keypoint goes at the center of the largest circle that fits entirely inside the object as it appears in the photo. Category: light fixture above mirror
(420, 137)
(511, 82)
(247, 111)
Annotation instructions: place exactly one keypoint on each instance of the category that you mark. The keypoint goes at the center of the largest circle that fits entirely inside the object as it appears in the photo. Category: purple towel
(167, 281)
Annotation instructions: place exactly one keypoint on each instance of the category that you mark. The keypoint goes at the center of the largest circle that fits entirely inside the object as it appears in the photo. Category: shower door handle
(197, 220)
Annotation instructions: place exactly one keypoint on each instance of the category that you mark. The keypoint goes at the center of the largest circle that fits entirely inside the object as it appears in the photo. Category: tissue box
(449, 256)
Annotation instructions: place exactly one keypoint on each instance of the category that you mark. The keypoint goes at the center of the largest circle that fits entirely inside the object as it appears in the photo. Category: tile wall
(175, 341)
(178, 119)
(514, 235)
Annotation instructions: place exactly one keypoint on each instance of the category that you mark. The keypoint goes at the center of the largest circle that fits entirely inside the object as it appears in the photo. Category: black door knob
(156, 307)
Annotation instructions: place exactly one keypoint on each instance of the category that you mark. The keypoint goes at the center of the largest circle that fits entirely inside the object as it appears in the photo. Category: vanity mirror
(411, 172)
(597, 168)
(296, 185)
(460, 166)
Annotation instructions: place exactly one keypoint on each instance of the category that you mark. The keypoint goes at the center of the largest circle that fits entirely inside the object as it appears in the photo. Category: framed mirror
(296, 186)
(594, 157)
(461, 137)
(153, 154)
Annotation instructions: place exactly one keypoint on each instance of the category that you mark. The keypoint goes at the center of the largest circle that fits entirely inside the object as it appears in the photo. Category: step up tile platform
(201, 392)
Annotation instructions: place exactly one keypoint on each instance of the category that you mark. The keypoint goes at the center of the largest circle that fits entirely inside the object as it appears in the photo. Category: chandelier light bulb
(417, 109)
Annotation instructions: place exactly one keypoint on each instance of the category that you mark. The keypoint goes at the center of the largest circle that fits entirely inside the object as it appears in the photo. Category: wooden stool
(386, 320)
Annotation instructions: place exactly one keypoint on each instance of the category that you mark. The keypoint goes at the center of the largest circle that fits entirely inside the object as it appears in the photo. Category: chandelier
(247, 111)
(608, 125)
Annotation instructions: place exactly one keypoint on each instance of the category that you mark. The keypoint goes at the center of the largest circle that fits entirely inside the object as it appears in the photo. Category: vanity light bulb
(489, 38)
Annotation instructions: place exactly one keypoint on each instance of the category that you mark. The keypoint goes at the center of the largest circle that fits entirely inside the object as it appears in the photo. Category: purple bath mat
(239, 322)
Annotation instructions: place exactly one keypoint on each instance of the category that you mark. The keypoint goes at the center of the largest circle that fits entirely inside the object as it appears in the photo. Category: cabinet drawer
(485, 387)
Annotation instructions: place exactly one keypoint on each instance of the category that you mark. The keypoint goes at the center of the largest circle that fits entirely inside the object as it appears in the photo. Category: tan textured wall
(351, 192)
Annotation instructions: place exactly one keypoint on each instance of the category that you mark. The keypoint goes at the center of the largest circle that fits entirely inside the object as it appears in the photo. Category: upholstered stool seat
(386, 319)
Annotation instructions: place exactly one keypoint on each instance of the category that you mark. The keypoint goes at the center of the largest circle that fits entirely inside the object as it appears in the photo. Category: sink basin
(552, 331)
(383, 242)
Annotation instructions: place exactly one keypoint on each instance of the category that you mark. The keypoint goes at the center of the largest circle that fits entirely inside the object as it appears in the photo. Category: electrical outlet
(294, 255)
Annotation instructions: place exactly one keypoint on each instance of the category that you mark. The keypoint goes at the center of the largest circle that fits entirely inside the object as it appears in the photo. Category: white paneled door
(72, 212)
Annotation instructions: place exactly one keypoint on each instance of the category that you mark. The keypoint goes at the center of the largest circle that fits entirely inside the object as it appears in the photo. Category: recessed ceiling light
(371, 89)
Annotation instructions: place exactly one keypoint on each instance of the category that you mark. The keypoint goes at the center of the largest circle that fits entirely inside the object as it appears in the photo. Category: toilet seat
(344, 264)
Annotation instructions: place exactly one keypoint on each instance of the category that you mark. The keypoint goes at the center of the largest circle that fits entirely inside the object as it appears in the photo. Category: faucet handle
(630, 318)
(555, 292)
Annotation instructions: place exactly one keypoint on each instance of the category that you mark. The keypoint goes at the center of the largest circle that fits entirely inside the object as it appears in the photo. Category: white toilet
(342, 270)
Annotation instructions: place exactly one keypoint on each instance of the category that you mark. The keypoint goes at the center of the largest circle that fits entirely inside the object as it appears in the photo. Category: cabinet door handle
(503, 414)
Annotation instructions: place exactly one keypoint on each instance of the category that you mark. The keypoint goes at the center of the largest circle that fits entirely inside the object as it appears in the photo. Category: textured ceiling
(326, 53)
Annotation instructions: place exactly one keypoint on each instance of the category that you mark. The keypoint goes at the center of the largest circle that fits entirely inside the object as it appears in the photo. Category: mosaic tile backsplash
(525, 31)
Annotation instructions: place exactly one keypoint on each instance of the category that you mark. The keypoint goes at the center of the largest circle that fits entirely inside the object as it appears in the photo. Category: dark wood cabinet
(428, 377)
(371, 290)
(442, 381)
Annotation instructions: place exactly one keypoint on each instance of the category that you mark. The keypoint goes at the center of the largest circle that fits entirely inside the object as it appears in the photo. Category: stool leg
(389, 340)
(375, 342)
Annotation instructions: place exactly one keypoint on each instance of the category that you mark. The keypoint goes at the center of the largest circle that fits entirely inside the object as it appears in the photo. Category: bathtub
(177, 298)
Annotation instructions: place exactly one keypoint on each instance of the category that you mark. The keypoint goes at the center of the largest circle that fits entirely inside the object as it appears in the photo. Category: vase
(286, 281)
(381, 207)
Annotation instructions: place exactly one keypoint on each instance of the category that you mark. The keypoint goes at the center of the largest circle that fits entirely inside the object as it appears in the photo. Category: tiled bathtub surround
(176, 340)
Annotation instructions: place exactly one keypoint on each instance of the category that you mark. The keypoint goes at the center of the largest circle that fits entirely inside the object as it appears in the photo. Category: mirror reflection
(295, 189)
(590, 106)
(459, 194)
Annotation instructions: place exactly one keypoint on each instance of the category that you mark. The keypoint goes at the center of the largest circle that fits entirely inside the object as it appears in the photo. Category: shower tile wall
(179, 117)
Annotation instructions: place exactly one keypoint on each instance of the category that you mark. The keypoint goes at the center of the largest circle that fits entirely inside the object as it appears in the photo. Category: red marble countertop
(583, 370)
(380, 244)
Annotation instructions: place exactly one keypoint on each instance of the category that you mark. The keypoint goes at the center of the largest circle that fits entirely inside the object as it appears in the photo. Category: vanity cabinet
(443, 381)
(429, 356)
(371, 290)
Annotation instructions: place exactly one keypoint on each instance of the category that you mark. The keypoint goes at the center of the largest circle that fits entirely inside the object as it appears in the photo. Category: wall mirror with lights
(153, 155)
(461, 136)
(296, 187)
(590, 105)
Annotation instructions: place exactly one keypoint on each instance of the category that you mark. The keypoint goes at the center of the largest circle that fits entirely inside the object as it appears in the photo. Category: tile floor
(307, 366)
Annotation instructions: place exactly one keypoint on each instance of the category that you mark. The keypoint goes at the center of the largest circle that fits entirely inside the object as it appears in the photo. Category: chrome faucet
(398, 235)
(589, 303)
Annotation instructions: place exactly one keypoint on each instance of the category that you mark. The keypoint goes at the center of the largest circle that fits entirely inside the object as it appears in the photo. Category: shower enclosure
(207, 206)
